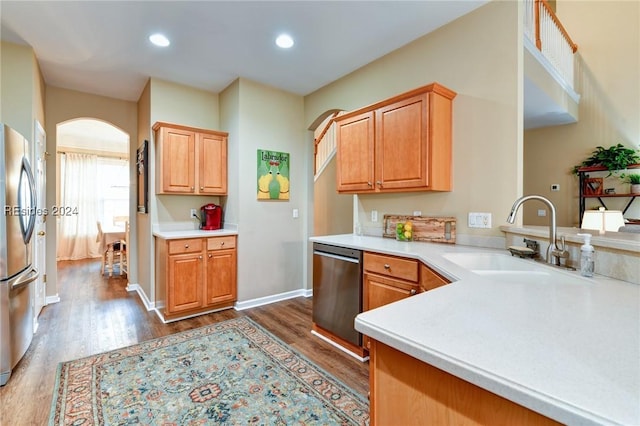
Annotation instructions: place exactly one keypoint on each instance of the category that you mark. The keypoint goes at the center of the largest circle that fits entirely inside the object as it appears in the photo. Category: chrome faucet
(554, 253)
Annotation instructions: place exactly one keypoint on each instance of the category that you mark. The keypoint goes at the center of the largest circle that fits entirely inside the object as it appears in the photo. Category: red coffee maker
(210, 217)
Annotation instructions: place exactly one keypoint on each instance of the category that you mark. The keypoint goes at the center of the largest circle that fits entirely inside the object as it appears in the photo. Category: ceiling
(102, 47)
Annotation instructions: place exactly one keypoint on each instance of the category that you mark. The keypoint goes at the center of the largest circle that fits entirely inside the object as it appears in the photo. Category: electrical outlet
(479, 220)
(374, 215)
(417, 213)
(555, 187)
(194, 213)
(542, 212)
(295, 213)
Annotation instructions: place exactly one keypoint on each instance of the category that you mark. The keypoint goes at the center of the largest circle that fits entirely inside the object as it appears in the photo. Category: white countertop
(191, 233)
(569, 350)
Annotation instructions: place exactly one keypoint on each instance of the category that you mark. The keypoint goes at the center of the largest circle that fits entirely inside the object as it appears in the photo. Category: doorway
(92, 184)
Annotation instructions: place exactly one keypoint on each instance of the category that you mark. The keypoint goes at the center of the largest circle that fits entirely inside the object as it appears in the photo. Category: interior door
(40, 231)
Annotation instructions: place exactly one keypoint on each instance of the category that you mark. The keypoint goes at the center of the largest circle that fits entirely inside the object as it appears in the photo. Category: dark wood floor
(97, 314)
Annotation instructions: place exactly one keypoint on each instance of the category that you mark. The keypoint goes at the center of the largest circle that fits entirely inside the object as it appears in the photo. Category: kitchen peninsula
(563, 347)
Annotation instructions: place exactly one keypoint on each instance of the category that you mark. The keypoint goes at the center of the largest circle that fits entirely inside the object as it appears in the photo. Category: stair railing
(543, 27)
(324, 144)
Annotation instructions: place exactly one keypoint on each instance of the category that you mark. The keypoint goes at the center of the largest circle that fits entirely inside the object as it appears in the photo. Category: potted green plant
(614, 158)
(634, 180)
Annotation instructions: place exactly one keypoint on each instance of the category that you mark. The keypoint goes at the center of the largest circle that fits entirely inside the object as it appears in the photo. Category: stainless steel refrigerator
(17, 273)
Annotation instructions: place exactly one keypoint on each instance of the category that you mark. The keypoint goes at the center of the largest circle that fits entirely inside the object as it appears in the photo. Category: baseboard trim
(260, 301)
(342, 348)
(52, 299)
(149, 305)
(167, 321)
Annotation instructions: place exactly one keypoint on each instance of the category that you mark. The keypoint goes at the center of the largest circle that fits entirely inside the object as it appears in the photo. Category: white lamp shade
(602, 220)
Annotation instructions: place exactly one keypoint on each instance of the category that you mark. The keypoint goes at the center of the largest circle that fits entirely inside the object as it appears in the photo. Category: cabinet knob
(387, 266)
(193, 188)
(413, 291)
(379, 183)
(200, 257)
(369, 183)
(186, 246)
(210, 255)
(202, 188)
(222, 243)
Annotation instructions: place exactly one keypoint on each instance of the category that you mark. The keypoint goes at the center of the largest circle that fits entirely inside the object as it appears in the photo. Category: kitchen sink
(505, 268)
(492, 262)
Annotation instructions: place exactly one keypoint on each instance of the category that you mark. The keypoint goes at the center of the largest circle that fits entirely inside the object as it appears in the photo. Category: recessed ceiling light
(159, 40)
(284, 41)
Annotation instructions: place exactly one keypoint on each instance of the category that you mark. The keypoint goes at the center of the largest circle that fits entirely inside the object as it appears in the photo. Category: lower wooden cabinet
(196, 275)
(388, 279)
(407, 391)
(184, 291)
(221, 272)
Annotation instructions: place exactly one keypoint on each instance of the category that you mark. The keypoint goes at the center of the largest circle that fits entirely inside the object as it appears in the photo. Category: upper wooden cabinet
(190, 160)
(400, 144)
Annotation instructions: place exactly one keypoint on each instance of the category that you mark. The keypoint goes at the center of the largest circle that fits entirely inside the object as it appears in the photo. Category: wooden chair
(120, 220)
(109, 252)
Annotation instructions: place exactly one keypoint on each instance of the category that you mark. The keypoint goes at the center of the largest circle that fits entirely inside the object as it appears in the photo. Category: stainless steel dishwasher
(337, 290)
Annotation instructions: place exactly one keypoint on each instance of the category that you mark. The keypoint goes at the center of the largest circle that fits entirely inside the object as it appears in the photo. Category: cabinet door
(379, 291)
(184, 286)
(178, 160)
(212, 164)
(402, 144)
(221, 277)
(429, 279)
(355, 153)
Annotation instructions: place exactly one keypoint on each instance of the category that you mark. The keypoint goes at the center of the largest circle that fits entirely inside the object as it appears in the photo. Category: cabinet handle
(413, 291)
(387, 266)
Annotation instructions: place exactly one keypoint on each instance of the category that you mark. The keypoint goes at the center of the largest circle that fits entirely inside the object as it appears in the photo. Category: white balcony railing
(542, 27)
(325, 143)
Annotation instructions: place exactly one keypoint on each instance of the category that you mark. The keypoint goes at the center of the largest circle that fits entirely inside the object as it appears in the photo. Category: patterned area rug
(233, 372)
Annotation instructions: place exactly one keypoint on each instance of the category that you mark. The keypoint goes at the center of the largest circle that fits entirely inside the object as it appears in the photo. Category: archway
(92, 184)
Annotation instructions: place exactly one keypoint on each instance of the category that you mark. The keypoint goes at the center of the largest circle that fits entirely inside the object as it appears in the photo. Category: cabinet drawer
(220, 243)
(389, 266)
(191, 245)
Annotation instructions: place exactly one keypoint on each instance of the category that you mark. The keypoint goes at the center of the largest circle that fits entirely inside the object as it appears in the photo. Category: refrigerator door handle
(26, 279)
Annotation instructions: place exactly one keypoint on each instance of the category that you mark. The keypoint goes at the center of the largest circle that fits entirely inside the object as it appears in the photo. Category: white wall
(271, 242)
(479, 56)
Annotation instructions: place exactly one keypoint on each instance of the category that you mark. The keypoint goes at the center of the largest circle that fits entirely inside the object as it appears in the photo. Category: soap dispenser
(586, 256)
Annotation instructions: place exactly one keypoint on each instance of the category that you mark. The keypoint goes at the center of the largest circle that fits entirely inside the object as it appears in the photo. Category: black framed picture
(142, 166)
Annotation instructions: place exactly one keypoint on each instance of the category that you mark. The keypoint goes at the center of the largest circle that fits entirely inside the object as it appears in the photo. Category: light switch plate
(479, 220)
(374, 215)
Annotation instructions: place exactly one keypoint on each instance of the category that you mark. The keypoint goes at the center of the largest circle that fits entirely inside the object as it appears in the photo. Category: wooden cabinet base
(166, 317)
(407, 391)
(356, 350)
